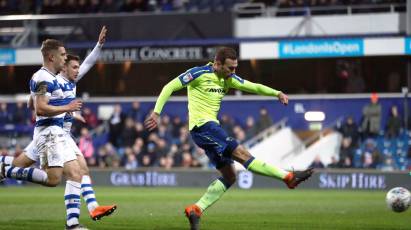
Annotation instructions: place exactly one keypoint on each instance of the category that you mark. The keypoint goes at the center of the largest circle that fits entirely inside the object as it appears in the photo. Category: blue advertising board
(321, 48)
(408, 46)
(7, 56)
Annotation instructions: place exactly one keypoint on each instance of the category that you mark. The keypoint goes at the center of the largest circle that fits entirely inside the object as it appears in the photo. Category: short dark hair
(72, 57)
(224, 53)
(49, 45)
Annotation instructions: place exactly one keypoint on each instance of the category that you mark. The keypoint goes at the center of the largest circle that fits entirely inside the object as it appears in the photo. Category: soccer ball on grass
(398, 199)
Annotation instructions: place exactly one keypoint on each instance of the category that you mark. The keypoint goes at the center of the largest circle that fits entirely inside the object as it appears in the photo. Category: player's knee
(53, 180)
(84, 171)
(74, 175)
(241, 154)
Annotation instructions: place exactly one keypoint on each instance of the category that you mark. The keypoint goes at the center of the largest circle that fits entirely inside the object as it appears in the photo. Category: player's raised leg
(34, 175)
(95, 210)
(6, 159)
(291, 179)
(18, 168)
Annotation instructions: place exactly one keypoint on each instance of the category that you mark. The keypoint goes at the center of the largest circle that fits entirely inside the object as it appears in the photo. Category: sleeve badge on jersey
(237, 78)
(187, 78)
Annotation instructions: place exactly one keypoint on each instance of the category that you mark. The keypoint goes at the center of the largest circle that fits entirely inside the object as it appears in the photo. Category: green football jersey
(205, 91)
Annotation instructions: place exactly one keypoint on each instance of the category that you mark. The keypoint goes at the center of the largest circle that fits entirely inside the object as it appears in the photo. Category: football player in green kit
(206, 87)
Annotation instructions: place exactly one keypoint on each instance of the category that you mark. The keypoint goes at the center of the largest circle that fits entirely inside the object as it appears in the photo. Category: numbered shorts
(217, 144)
(53, 147)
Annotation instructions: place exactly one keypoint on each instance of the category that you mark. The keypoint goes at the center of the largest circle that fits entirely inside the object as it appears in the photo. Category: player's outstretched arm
(174, 85)
(91, 59)
(42, 107)
(259, 89)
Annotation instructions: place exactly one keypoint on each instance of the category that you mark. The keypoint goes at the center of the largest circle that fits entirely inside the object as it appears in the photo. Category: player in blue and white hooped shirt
(71, 73)
(54, 152)
(67, 79)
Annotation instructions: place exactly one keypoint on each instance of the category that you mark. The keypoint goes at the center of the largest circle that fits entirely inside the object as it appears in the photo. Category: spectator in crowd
(187, 160)
(202, 159)
(90, 118)
(346, 163)
(367, 161)
(5, 116)
(371, 123)
(100, 137)
(86, 145)
(20, 114)
(394, 123)
(227, 123)
(317, 163)
(264, 121)
(149, 158)
(162, 148)
(129, 133)
(176, 126)
(371, 157)
(135, 112)
(116, 123)
(346, 149)
(388, 165)
(334, 163)
(166, 121)
(140, 131)
(350, 129)
(130, 160)
(239, 134)
(162, 132)
(250, 127)
(184, 137)
(107, 156)
(167, 160)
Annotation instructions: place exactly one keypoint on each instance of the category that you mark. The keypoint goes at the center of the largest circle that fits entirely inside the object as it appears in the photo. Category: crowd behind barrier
(122, 142)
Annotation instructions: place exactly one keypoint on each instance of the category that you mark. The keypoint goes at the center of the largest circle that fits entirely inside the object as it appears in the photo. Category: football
(398, 199)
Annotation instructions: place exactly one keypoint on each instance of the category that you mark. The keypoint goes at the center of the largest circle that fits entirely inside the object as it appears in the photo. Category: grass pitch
(162, 209)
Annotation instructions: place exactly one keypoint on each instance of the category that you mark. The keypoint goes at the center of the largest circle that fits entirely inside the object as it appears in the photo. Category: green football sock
(261, 168)
(214, 192)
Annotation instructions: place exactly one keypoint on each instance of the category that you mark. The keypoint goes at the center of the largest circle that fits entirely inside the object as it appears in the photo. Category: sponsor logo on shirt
(214, 90)
(187, 78)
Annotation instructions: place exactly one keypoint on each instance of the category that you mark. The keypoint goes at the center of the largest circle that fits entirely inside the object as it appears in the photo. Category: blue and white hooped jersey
(54, 92)
(69, 92)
